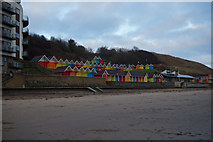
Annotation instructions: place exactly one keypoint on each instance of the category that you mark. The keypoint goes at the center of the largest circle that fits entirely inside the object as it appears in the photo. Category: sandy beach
(163, 114)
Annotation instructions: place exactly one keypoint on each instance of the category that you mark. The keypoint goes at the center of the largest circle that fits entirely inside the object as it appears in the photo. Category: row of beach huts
(97, 68)
(96, 63)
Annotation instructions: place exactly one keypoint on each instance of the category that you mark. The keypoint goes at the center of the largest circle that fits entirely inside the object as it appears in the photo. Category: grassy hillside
(184, 66)
(39, 45)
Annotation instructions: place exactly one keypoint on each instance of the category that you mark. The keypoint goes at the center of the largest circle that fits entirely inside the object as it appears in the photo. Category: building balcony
(10, 23)
(8, 35)
(6, 7)
(10, 49)
(25, 21)
(25, 33)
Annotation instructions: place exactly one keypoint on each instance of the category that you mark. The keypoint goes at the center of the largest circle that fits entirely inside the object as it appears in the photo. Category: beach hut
(154, 78)
(112, 74)
(112, 77)
(103, 66)
(41, 60)
(74, 71)
(127, 77)
(138, 67)
(140, 79)
(147, 67)
(122, 75)
(108, 67)
(105, 75)
(145, 78)
(141, 66)
(52, 63)
(136, 76)
(86, 72)
(132, 66)
(160, 78)
(151, 66)
(60, 63)
(81, 72)
(67, 71)
(92, 72)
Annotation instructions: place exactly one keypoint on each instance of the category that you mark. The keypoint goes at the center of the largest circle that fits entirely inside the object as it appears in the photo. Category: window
(6, 44)
(6, 18)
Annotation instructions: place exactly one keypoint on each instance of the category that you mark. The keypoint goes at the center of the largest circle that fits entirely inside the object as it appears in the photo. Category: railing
(9, 22)
(8, 35)
(8, 8)
(8, 48)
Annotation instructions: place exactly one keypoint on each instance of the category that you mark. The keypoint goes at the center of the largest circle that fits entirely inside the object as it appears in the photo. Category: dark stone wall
(36, 81)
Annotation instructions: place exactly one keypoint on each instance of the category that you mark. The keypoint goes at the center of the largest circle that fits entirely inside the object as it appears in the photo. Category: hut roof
(76, 62)
(52, 59)
(66, 61)
(93, 70)
(87, 70)
(61, 61)
(81, 63)
(72, 62)
(75, 69)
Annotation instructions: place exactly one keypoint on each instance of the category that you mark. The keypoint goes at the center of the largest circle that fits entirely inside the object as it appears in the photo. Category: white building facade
(14, 35)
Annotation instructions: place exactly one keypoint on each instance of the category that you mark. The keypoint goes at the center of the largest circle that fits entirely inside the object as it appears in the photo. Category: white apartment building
(14, 33)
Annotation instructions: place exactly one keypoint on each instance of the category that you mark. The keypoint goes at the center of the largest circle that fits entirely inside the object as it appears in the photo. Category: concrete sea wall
(38, 81)
(62, 81)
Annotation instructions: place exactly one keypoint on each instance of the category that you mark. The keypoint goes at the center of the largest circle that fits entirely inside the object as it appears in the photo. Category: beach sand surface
(168, 114)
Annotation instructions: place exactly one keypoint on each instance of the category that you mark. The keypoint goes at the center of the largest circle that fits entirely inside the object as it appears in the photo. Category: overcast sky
(180, 29)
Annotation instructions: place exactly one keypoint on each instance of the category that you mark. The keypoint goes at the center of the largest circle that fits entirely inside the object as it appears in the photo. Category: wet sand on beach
(152, 114)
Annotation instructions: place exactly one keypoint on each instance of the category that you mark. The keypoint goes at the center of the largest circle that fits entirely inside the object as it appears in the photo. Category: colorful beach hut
(92, 73)
(52, 62)
(41, 60)
(74, 71)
